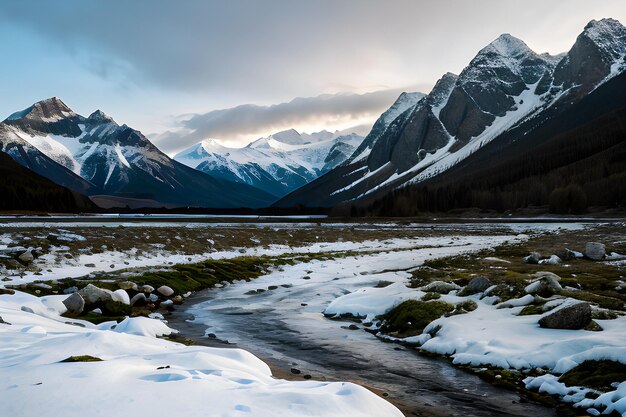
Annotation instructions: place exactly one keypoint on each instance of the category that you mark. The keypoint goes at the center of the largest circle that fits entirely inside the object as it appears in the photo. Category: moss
(598, 375)
(531, 310)
(82, 358)
(429, 296)
(411, 317)
(463, 308)
(602, 301)
(98, 318)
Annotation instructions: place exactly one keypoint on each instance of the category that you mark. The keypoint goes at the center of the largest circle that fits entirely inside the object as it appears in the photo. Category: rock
(177, 299)
(5, 291)
(573, 317)
(27, 309)
(533, 258)
(295, 371)
(440, 287)
(97, 311)
(552, 260)
(4, 322)
(165, 290)
(128, 285)
(568, 254)
(92, 294)
(74, 304)
(26, 257)
(595, 251)
(544, 283)
(153, 297)
(70, 290)
(353, 327)
(139, 300)
(120, 296)
(148, 289)
(90, 265)
(477, 284)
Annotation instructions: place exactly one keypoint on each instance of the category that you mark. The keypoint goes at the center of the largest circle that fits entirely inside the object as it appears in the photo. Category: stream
(278, 317)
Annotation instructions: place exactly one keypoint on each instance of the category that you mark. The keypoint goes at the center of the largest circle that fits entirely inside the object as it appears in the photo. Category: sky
(236, 70)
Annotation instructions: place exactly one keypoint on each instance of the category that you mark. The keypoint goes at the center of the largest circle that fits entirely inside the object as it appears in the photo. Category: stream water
(284, 326)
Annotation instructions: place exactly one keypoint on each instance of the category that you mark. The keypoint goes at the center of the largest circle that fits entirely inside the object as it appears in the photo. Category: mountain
(504, 86)
(277, 164)
(22, 189)
(115, 165)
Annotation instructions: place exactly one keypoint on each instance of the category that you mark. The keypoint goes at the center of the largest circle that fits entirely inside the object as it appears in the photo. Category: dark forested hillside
(574, 160)
(22, 189)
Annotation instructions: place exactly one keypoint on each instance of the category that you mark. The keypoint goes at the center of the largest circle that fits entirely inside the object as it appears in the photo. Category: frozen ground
(139, 373)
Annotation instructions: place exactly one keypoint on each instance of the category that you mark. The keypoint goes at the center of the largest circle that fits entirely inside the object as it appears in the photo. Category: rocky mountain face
(114, 164)
(504, 86)
(277, 164)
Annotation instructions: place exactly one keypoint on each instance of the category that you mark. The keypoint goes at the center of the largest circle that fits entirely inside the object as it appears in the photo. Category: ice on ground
(139, 373)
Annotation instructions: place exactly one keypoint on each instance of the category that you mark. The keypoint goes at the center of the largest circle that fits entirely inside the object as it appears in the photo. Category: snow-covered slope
(112, 159)
(276, 164)
(504, 85)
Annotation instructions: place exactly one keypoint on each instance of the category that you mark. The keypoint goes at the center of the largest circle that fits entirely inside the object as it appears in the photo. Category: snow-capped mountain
(504, 86)
(277, 164)
(96, 156)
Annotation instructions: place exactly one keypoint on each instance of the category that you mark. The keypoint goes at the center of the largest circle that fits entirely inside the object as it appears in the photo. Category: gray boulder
(74, 304)
(92, 294)
(165, 290)
(26, 257)
(70, 290)
(595, 251)
(552, 260)
(477, 284)
(533, 258)
(148, 289)
(440, 287)
(139, 300)
(572, 317)
(545, 283)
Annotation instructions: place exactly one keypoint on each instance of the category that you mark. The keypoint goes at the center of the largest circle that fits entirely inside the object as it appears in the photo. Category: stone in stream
(165, 290)
(74, 304)
(139, 300)
(595, 251)
(572, 317)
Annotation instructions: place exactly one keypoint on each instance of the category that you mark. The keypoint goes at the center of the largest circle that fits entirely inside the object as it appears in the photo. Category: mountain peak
(49, 110)
(99, 117)
(608, 34)
(507, 45)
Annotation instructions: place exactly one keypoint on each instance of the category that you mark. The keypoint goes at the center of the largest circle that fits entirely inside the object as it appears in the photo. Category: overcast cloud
(148, 61)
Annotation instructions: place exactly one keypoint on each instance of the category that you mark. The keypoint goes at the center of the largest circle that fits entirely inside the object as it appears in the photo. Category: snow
(139, 372)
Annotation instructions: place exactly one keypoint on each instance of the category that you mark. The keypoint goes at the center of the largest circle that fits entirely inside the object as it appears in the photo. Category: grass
(411, 317)
(598, 375)
(82, 358)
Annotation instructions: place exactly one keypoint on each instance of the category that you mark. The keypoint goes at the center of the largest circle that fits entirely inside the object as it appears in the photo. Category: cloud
(246, 122)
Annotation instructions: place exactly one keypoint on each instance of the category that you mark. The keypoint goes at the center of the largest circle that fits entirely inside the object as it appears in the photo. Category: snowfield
(140, 373)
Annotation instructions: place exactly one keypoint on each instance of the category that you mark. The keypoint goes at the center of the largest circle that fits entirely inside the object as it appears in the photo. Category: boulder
(574, 316)
(544, 283)
(177, 299)
(139, 300)
(70, 290)
(477, 284)
(595, 251)
(120, 296)
(26, 257)
(533, 258)
(165, 290)
(153, 297)
(148, 289)
(92, 294)
(552, 260)
(74, 304)
(440, 287)
(128, 285)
